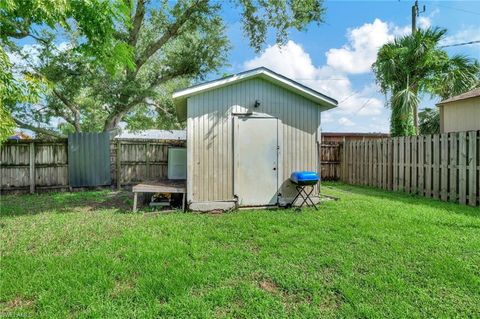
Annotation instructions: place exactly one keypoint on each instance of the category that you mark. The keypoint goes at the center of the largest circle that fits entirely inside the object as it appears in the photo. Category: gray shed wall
(210, 136)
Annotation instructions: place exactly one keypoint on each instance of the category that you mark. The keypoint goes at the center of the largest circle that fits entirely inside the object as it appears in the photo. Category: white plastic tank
(177, 163)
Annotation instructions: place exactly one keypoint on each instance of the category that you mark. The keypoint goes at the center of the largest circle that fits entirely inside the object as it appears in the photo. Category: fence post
(147, 160)
(32, 167)
(472, 168)
(344, 161)
(118, 161)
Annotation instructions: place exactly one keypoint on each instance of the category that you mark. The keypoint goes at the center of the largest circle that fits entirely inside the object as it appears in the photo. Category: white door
(256, 171)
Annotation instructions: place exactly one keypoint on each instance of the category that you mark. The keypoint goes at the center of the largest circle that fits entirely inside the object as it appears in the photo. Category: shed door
(256, 171)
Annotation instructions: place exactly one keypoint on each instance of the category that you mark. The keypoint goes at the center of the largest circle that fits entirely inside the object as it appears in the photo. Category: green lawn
(371, 254)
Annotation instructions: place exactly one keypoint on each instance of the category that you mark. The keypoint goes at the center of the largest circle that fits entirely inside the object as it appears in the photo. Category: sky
(335, 57)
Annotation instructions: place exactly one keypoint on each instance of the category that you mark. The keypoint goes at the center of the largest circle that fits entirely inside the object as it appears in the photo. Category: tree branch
(121, 109)
(137, 22)
(166, 111)
(155, 83)
(72, 107)
(37, 129)
(170, 33)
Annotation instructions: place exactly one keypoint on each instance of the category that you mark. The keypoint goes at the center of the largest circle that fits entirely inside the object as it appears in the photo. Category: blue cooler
(304, 178)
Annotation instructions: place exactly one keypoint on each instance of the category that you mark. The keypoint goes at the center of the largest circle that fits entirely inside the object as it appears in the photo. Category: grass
(371, 254)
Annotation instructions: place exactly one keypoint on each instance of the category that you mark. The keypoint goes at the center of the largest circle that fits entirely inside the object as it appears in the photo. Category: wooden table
(164, 186)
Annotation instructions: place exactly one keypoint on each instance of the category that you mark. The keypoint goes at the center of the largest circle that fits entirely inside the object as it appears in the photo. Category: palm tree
(413, 65)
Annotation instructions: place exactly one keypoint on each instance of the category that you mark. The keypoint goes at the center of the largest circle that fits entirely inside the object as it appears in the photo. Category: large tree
(172, 44)
(415, 64)
(92, 21)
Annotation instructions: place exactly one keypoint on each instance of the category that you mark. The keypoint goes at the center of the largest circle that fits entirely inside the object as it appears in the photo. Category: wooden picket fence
(330, 161)
(40, 165)
(443, 166)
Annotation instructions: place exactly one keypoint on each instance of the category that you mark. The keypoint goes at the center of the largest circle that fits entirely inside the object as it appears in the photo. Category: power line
(336, 79)
(363, 106)
(459, 44)
(458, 9)
(348, 97)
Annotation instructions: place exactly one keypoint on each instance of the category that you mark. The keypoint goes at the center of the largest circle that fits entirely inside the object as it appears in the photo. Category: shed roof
(180, 97)
(467, 95)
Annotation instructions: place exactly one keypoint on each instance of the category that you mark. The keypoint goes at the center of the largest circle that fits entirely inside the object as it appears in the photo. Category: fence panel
(444, 166)
(330, 161)
(135, 161)
(140, 160)
(30, 164)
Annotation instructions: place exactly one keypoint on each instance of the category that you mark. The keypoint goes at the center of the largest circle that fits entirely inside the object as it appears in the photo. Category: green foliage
(172, 45)
(260, 16)
(429, 121)
(7, 124)
(414, 65)
(94, 20)
(94, 24)
(372, 254)
(403, 102)
(9, 90)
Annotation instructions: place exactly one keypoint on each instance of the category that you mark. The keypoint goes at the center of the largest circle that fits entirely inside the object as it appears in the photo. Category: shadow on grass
(66, 202)
(410, 199)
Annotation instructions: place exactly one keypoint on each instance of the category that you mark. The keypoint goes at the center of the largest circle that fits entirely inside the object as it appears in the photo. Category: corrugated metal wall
(89, 159)
(210, 135)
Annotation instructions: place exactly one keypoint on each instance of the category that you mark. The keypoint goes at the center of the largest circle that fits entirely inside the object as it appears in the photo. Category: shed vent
(177, 163)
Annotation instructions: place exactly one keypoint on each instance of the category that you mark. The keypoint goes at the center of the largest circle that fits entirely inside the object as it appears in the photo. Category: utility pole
(415, 14)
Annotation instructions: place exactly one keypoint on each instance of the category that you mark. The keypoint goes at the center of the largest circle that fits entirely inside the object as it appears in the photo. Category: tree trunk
(415, 112)
(415, 120)
(112, 121)
(401, 122)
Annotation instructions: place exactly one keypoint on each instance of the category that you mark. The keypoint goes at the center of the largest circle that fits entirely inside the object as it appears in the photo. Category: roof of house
(154, 135)
(20, 136)
(180, 97)
(463, 96)
(348, 134)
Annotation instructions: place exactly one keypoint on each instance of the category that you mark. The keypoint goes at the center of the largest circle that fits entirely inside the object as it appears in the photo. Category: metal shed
(246, 133)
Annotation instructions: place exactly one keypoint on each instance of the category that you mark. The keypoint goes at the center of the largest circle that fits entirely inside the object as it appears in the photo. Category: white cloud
(358, 55)
(327, 117)
(292, 61)
(356, 107)
(28, 56)
(345, 122)
(424, 22)
(360, 52)
(467, 34)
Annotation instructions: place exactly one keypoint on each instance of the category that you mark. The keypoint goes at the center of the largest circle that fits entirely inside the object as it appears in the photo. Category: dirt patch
(333, 300)
(269, 286)
(328, 274)
(121, 287)
(16, 304)
(122, 201)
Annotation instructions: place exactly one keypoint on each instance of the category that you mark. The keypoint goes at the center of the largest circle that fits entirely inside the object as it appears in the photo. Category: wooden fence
(330, 161)
(134, 161)
(42, 164)
(28, 165)
(443, 166)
